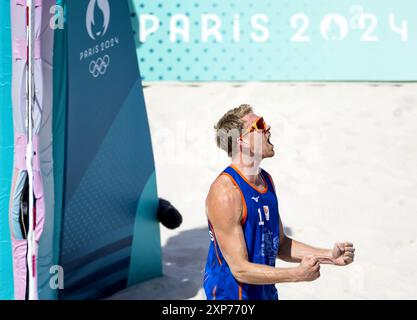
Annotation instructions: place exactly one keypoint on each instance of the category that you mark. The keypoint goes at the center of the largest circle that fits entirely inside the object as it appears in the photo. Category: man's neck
(250, 169)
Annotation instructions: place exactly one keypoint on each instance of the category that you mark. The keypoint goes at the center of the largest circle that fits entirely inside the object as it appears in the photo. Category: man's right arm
(224, 211)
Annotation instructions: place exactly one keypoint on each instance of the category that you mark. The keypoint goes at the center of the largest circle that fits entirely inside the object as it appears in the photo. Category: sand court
(344, 169)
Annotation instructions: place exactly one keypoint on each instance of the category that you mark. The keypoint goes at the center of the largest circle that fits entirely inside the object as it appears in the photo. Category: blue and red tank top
(260, 224)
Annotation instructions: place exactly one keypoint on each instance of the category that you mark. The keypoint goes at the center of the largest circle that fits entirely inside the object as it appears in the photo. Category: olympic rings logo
(99, 67)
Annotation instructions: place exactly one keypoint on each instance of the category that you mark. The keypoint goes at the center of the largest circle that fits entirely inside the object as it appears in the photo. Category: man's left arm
(290, 250)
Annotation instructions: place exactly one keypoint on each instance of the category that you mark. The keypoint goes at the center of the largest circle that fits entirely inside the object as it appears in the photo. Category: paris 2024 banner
(286, 40)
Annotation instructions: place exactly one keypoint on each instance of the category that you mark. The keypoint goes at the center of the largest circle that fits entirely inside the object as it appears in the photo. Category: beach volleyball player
(244, 224)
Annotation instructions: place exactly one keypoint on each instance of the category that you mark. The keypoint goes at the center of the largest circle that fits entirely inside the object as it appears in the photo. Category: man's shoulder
(223, 189)
(223, 200)
(222, 183)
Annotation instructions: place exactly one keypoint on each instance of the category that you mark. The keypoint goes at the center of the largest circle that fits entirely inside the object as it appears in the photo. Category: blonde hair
(230, 126)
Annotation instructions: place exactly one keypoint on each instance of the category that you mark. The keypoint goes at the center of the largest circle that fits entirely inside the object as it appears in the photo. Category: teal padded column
(109, 231)
(146, 258)
(6, 151)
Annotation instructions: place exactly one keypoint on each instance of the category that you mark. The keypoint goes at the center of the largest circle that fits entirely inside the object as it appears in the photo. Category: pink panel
(20, 153)
(19, 48)
(20, 2)
(19, 248)
(36, 161)
(40, 204)
(38, 3)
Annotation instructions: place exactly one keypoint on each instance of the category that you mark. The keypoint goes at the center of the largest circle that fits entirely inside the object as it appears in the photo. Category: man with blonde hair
(244, 224)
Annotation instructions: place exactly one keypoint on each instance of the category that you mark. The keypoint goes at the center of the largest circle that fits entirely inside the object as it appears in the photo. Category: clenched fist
(309, 269)
(343, 253)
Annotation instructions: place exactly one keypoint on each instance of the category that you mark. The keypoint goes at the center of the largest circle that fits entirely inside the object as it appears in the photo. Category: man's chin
(269, 154)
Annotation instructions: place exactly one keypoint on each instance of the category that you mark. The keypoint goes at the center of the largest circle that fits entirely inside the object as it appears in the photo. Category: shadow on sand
(184, 258)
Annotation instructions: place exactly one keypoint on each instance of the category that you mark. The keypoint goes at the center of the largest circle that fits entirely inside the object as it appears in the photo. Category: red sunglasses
(258, 125)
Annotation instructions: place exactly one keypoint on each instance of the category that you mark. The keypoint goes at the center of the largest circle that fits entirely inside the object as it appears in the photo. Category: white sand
(345, 169)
